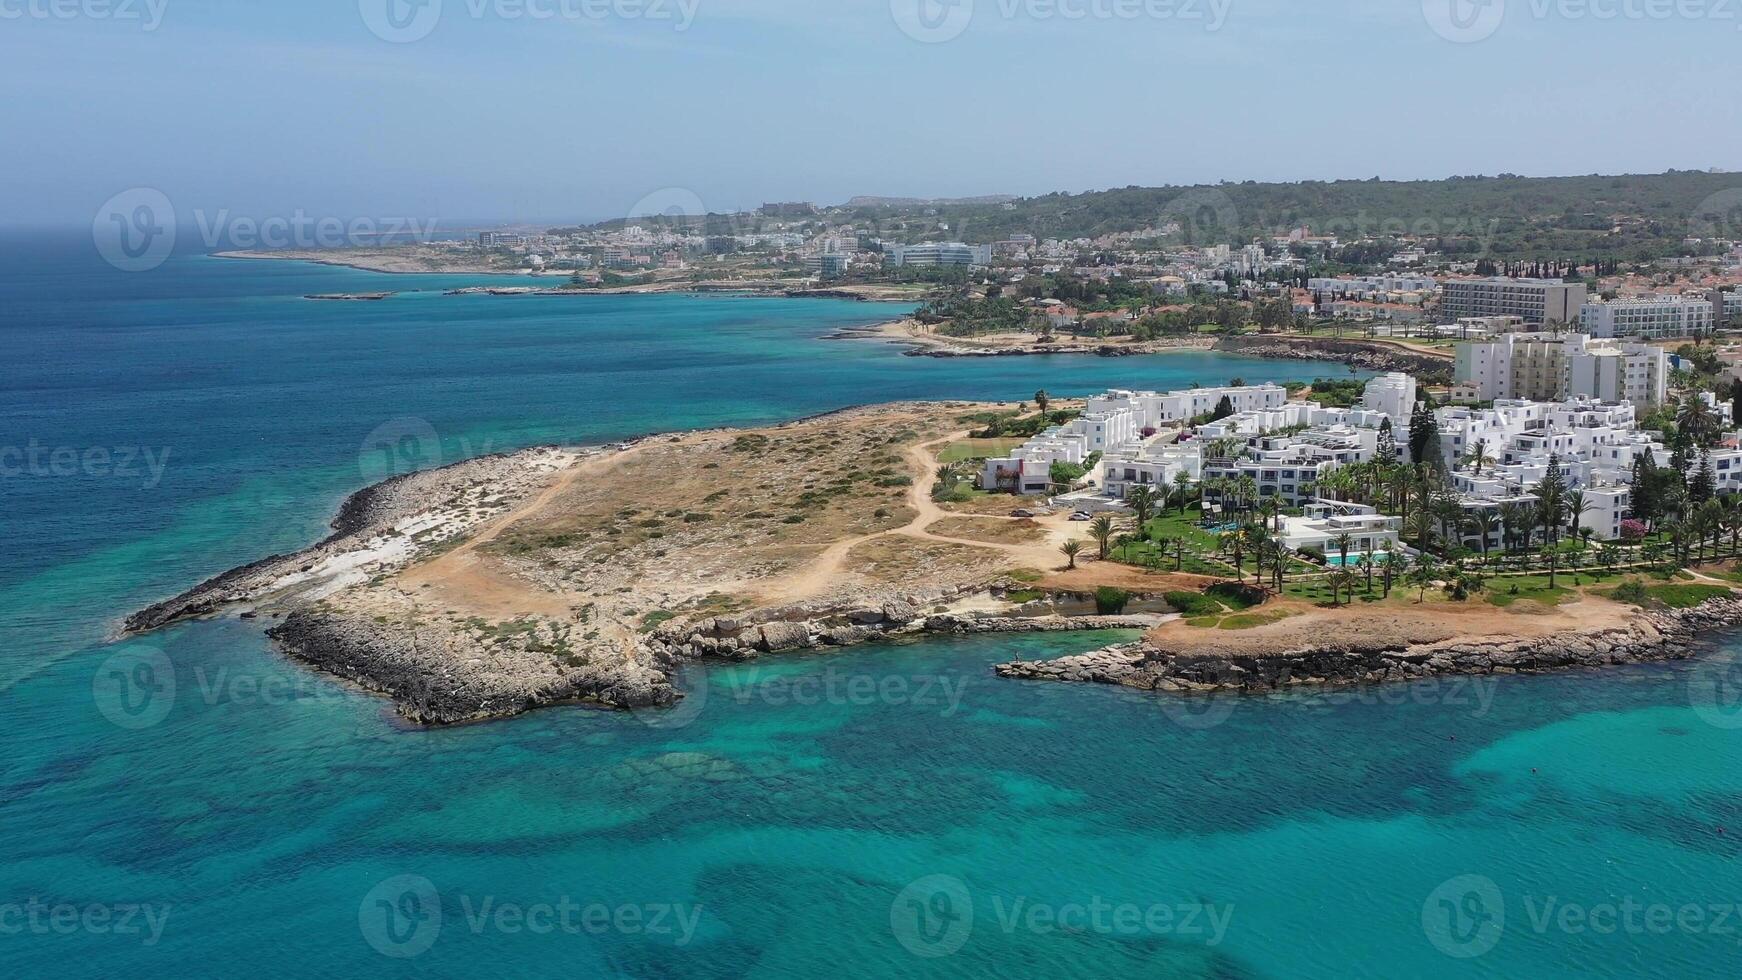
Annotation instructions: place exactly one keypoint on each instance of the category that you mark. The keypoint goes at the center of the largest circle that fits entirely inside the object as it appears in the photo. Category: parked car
(1081, 515)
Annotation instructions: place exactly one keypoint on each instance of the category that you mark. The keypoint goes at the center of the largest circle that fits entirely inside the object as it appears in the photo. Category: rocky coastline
(468, 491)
(1362, 355)
(1652, 636)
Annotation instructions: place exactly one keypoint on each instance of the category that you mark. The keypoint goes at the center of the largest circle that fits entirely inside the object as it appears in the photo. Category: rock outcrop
(1653, 636)
(436, 679)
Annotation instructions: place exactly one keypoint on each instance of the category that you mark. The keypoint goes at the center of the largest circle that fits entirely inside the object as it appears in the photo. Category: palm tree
(1248, 490)
(1390, 561)
(1552, 556)
(1233, 541)
(1577, 507)
(1343, 542)
(1071, 550)
(1548, 514)
(1101, 529)
(1182, 489)
(1141, 500)
(1424, 528)
(1483, 522)
(1344, 580)
(1478, 456)
(1179, 554)
(1696, 420)
(1365, 563)
(1272, 509)
(1732, 522)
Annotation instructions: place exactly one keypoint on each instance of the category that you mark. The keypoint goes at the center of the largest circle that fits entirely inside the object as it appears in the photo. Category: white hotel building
(1648, 317)
(1546, 366)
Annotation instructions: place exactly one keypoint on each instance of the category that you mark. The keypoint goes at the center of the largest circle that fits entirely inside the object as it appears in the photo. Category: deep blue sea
(191, 804)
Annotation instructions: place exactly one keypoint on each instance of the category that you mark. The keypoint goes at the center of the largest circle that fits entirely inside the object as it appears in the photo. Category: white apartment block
(1392, 395)
(1617, 371)
(1157, 410)
(1289, 467)
(1545, 366)
(1649, 317)
(1536, 300)
(1028, 468)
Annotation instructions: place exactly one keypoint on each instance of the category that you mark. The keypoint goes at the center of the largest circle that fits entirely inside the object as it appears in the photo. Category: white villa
(1325, 521)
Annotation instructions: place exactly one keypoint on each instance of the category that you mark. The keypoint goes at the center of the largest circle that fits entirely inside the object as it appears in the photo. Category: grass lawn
(966, 449)
(1685, 596)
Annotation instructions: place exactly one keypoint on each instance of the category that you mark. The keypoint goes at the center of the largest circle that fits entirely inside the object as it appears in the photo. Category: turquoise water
(886, 811)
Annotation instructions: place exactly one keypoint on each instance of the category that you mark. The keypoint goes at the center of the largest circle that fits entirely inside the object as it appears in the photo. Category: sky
(469, 112)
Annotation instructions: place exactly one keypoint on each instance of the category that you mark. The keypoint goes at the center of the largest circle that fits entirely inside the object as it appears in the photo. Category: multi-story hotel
(1546, 366)
(1536, 300)
(1650, 317)
(938, 253)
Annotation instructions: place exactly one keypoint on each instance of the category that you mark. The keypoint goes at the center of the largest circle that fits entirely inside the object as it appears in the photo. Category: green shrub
(1632, 591)
(1110, 601)
(1192, 603)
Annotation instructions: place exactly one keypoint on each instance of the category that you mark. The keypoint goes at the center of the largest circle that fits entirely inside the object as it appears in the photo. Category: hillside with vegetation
(1630, 217)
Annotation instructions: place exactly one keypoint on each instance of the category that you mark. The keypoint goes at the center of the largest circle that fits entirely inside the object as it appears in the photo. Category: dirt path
(817, 575)
(464, 579)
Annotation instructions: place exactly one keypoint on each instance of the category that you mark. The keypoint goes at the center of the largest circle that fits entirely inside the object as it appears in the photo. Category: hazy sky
(542, 110)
